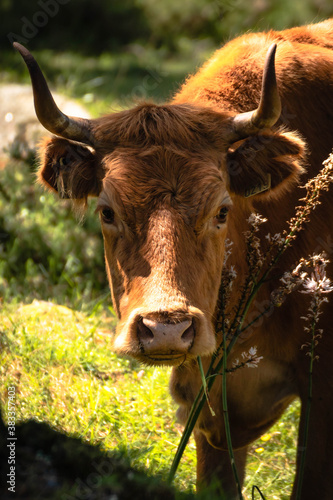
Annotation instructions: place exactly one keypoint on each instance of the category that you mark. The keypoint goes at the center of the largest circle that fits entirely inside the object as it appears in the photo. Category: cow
(173, 183)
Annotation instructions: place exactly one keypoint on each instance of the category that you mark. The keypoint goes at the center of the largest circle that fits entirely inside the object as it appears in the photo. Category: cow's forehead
(185, 126)
(145, 178)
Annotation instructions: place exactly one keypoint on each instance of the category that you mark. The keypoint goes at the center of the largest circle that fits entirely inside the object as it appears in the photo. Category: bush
(76, 25)
(44, 251)
(101, 26)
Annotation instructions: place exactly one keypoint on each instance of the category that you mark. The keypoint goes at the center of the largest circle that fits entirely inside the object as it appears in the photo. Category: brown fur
(166, 171)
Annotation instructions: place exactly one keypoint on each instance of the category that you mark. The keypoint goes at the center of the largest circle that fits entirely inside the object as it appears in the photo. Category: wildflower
(250, 359)
(291, 280)
(233, 272)
(253, 363)
(318, 282)
(227, 280)
(312, 285)
(266, 437)
(254, 255)
(228, 277)
(316, 285)
(275, 239)
(255, 220)
(253, 351)
(227, 249)
(314, 188)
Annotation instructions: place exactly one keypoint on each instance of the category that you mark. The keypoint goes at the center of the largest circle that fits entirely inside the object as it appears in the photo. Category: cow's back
(320, 34)
(231, 79)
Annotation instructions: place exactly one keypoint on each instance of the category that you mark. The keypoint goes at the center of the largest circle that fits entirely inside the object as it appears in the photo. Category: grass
(65, 374)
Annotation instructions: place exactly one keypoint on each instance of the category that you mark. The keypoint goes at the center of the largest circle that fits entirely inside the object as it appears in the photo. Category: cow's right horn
(269, 109)
(48, 113)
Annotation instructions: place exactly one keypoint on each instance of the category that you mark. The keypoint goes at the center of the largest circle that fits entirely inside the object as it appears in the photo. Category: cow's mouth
(165, 359)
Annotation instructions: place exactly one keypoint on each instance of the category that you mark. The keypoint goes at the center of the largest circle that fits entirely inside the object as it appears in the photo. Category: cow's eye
(107, 215)
(221, 217)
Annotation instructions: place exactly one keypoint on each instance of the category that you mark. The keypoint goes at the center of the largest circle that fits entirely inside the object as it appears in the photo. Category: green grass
(66, 374)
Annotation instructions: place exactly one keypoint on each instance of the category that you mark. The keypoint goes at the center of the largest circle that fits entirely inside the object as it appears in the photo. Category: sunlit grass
(272, 458)
(65, 373)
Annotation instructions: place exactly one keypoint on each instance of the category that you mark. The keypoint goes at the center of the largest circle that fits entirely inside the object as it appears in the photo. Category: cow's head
(166, 178)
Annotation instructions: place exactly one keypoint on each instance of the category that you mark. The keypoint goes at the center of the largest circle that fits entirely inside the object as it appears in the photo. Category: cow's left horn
(269, 109)
(48, 113)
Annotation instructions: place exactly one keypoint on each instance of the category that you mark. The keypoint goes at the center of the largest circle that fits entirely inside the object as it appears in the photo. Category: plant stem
(227, 423)
(204, 384)
(260, 493)
(265, 311)
(307, 417)
(191, 421)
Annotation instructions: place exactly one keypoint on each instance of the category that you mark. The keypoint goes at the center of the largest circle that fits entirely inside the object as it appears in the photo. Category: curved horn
(269, 109)
(48, 113)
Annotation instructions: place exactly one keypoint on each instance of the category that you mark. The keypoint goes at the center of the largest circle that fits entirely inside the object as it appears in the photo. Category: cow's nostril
(188, 335)
(144, 333)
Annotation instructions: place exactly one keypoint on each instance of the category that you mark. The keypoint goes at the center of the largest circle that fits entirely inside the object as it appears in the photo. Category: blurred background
(104, 26)
(103, 49)
(106, 55)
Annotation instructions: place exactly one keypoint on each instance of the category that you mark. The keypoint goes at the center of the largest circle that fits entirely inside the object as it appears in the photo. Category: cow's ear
(266, 164)
(70, 169)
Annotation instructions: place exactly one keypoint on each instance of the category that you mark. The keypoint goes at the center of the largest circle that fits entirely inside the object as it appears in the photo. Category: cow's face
(164, 200)
(164, 222)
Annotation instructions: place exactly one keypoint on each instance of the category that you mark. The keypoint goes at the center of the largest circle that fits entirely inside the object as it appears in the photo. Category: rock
(20, 131)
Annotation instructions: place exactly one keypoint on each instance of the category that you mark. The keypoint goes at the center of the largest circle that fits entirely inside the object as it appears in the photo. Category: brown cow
(171, 182)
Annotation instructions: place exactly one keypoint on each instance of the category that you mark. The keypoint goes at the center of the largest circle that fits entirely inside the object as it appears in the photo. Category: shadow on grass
(52, 466)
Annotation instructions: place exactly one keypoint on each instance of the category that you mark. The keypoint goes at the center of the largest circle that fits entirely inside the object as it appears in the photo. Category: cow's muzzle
(165, 340)
(167, 337)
